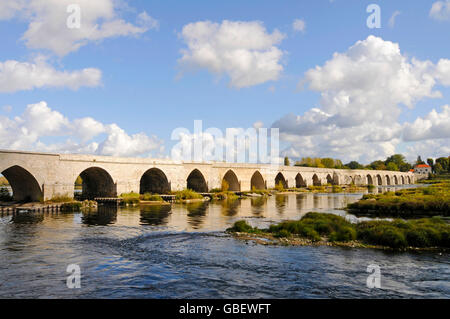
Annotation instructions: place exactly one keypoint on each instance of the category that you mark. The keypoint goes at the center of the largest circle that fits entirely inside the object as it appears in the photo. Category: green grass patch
(396, 234)
(151, 197)
(187, 194)
(131, 198)
(408, 203)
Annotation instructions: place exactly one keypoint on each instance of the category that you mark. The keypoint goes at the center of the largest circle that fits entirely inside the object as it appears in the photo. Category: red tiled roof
(422, 165)
(411, 170)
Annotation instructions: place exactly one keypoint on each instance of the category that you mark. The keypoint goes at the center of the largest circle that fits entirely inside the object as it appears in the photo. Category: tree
(438, 168)
(444, 163)
(318, 162)
(430, 162)
(286, 161)
(338, 164)
(378, 165)
(396, 158)
(328, 162)
(354, 165)
(406, 167)
(391, 166)
(419, 160)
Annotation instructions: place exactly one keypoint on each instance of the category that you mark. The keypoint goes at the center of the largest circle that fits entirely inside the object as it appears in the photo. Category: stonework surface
(42, 175)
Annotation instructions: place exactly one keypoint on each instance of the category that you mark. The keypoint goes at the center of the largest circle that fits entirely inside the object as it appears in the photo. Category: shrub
(310, 233)
(240, 226)
(282, 233)
(381, 233)
(129, 198)
(187, 194)
(279, 187)
(60, 199)
(343, 234)
(70, 207)
(151, 197)
(4, 195)
(225, 186)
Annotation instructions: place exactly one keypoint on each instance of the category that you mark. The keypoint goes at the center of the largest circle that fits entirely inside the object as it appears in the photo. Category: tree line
(396, 162)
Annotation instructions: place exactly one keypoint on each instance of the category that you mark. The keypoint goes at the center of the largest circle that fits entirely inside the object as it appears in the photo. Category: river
(181, 251)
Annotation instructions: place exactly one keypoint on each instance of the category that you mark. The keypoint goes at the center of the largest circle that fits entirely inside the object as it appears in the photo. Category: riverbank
(432, 200)
(332, 230)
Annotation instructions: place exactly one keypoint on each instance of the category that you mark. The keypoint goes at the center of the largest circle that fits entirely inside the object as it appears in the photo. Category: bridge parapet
(45, 175)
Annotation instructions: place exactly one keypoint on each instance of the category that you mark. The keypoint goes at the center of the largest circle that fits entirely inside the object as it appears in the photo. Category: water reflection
(280, 203)
(258, 205)
(230, 207)
(27, 218)
(196, 213)
(155, 215)
(103, 216)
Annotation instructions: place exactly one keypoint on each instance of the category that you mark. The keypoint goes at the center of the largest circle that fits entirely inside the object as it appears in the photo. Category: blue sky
(145, 89)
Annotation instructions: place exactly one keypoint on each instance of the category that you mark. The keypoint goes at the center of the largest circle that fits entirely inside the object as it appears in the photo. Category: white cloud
(428, 148)
(393, 17)
(440, 10)
(17, 76)
(39, 121)
(432, 126)
(299, 25)
(443, 71)
(244, 51)
(119, 143)
(8, 9)
(47, 28)
(362, 93)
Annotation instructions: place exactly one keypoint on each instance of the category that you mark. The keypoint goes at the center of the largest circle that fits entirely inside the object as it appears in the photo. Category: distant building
(422, 170)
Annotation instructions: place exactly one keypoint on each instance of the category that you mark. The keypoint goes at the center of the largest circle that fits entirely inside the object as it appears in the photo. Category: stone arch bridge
(35, 176)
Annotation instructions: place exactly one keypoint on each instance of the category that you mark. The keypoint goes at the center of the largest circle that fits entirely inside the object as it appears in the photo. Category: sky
(131, 72)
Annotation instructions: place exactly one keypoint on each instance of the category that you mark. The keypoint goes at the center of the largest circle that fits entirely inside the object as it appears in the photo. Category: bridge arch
(257, 181)
(330, 179)
(388, 180)
(97, 182)
(379, 179)
(232, 181)
(403, 180)
(316, 180)
(369, 179)
(300, 181)
(23, 184)
(395, 180)
(154, 181)
(409, 180)
(280, 179)
(196, 181)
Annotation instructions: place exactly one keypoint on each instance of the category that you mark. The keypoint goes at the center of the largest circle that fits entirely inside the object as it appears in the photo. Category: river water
(181, 251)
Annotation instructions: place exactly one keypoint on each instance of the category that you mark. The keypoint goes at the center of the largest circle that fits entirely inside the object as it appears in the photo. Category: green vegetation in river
(408, 203)
(324, 228)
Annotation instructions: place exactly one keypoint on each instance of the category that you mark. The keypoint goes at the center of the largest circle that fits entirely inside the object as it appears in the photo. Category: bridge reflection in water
(206, 216)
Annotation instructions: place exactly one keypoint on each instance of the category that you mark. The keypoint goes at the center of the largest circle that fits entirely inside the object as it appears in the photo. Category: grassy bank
(132, 198)
(408, 203)
(187, 194)
(323, 228)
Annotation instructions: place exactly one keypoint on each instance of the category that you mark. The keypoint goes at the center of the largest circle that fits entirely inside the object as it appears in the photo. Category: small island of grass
(430, 201)
(330, 229)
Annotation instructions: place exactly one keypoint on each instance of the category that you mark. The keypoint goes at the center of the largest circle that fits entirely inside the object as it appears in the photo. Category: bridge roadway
(34, 175)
